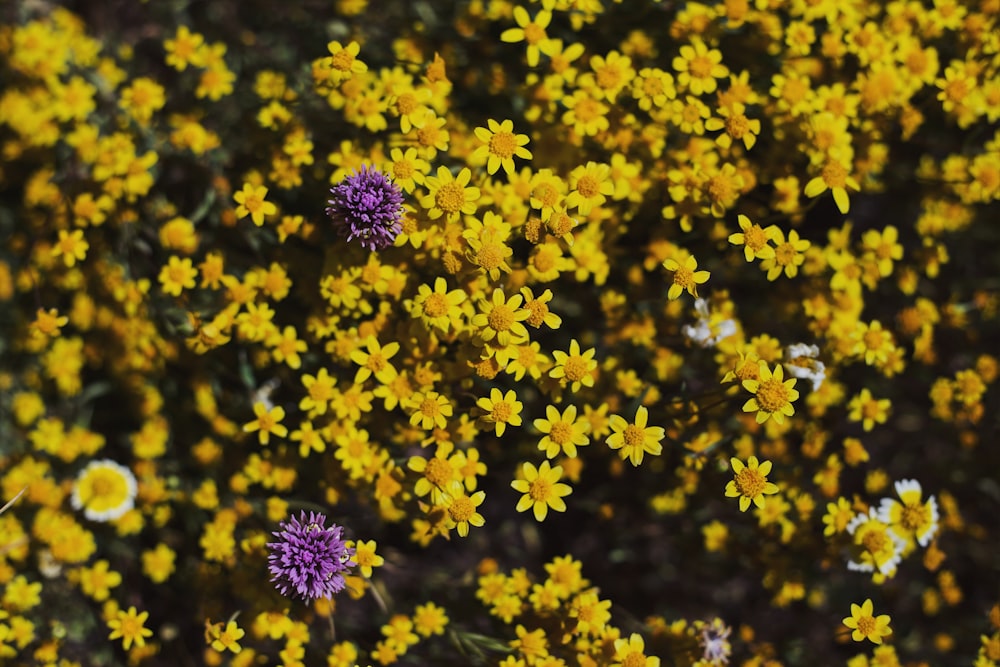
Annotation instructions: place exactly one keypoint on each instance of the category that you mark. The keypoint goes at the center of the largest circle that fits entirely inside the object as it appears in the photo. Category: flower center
(501, 318)
(501, 411)
(772, 396)
(750, 482)
(435, 305)
(874, 541)
(737, 126)
(343, 60)
(540, 490)
(450, 197)
(575, 368)
(503, 144)
(406, 103)
(430, 408)
(912, 517)
(755, 238)
(633, 436)
(538, 310)
(560, 433)
(634, 660)
(461, 509)
(438, 472)
(834, 174)
(588, 186)
(489, 256)
(701, 67)
(866, 625)
(533, 33)
(684, 277)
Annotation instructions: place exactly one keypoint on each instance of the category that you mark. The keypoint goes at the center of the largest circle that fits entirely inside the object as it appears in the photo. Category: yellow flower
(343, 62)
(698, 67)
(430, 410)
(223, 639)
(590, 184)
(177, 276)
(251, 202)
(750, 482)
(501, 146)
(501, 319)
(450, 195)
(773, 396)
(104, 490)
(501, 409)
(542, 489)
(182, 49)
(868, 410)
(754, 239)
(574, 368)
(461, 508)
(531, 31)
(375, 361)
(129, 626)
(686, 277)
(71, 246)
(437, 308)
(563, 432)
(866, 625)
(365, 556)
(635, 440)
(834, 177)
(267, 422)
(631, 652)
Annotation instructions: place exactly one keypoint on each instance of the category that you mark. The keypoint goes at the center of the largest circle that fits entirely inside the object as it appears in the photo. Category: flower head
(367, 206)
(866, 625)
(309, 558)
(104, 490)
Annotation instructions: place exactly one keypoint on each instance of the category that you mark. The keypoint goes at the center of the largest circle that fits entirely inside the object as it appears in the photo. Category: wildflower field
(512, 333)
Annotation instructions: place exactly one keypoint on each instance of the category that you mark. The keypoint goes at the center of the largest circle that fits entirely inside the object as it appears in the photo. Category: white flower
(104, 490)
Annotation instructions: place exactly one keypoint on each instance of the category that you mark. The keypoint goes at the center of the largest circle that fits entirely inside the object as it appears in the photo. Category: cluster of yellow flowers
(657, 264)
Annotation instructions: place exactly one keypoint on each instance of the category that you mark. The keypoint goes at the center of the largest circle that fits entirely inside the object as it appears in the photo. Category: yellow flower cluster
(682, 291)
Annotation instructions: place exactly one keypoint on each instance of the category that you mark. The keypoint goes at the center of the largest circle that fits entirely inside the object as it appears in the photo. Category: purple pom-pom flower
(367, 206)
(309, 559)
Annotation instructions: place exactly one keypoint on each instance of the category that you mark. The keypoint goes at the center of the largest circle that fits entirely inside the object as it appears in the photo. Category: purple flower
(367, 206)
(308, 559)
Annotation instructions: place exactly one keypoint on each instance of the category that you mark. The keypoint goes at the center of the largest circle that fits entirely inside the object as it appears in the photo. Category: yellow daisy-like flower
(343, 62)
(910, 517)
(866, 625)
(129, 626)
(500, 146)
(429, 410)
(590, 185)
(450, 195)
(104, 490)
(501, 319)
(529, 30)
(834, 177)
(750, 482)
(267, 422)
(461, 508)
(375, 361)
(438, 308)
(251, 200)
(224, 638)
(577, 368)
(563, 432)
(686, 277)
(698, 67)
(754, 239)
(635, 440)
(631, 652)
(542, 489)
(773, 395)
(501, 409)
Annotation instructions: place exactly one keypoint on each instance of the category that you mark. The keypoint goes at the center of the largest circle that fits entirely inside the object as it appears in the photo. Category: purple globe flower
(308, 559)
(367, 206)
